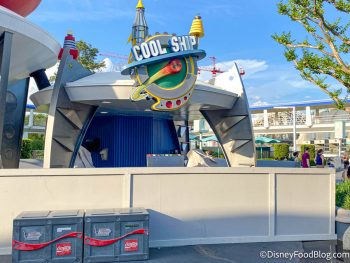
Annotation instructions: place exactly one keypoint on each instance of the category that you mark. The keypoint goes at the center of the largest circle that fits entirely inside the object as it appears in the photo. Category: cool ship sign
(154, 48)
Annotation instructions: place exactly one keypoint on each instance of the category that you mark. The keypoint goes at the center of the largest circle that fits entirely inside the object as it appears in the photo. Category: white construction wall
(187, 205)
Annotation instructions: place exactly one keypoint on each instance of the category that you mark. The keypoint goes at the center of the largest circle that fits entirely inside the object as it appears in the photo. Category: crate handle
(101, 243)
(17, 245)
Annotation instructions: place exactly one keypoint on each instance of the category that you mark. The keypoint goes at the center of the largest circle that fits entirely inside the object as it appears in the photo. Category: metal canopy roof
(111, 92)
(32, 47)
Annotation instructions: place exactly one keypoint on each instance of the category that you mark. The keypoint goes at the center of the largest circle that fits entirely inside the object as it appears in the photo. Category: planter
(342, 227)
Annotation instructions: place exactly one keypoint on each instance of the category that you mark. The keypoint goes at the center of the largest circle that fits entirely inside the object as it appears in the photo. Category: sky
(235, 30)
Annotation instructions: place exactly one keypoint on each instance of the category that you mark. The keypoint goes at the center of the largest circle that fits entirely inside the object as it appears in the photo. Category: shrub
(38, 145)
(343, 195)
(26, 149)
(281, 151)
(38, 155)
(36, 136)
(40, 120)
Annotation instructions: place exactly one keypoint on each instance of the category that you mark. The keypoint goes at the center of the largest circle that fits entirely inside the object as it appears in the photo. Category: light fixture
(104, 112)
(106, 102)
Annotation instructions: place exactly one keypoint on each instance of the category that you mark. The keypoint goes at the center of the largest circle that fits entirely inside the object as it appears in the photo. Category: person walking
(296, 159)
(319, 159)
(305, 158)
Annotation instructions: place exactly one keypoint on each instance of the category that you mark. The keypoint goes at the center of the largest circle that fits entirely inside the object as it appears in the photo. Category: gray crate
(34, 229)
(104, 227)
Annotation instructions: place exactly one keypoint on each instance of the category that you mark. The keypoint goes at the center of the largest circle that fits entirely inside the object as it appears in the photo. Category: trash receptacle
(48, 236)
(113, 235)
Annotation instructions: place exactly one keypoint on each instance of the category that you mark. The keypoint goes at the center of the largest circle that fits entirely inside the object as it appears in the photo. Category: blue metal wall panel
(129, 139)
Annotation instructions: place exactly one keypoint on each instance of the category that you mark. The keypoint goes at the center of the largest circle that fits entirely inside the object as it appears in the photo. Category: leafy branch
(322, 55)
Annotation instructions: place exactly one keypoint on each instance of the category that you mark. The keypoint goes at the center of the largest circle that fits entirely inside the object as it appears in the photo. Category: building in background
(317, 122)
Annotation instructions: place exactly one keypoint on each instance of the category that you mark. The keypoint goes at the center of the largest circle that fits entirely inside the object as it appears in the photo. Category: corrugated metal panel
(129, 139)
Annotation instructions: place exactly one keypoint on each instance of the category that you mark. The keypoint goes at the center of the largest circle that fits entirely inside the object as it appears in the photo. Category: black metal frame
(5, 59)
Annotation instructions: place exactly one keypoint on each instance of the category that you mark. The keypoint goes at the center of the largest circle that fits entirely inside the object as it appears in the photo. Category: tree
(322, 56)
(87, 56)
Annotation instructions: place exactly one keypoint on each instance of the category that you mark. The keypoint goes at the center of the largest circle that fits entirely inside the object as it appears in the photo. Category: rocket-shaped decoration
(140, 27)
(69, 41)
(197, 28)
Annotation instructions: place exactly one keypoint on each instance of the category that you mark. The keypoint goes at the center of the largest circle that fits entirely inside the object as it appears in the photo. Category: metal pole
(5, 55)
(294, 130)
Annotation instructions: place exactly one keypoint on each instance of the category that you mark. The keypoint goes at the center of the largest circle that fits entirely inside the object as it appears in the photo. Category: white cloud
(250, 66)
(268, 84)
(259, 103)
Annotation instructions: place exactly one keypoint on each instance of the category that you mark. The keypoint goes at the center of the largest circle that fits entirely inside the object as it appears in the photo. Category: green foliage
(87, 56)
(312, 151)
(322, 56)
(38, 119)
(38, 145)
(33, 147)
(26, 149)
(343, 195)
(38, 154)
(36, 136)
(281, 151)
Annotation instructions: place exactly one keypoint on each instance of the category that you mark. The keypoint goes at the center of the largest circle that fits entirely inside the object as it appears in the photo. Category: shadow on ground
(239, 253)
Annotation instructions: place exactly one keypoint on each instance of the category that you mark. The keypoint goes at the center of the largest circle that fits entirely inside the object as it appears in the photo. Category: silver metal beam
(67, 121)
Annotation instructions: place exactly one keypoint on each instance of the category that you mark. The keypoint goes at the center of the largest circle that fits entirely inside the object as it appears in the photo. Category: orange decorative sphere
(21, 7)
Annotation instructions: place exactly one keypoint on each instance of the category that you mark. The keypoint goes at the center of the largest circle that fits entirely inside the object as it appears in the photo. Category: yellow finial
(70, 32)
(197, 28)
(140, 4)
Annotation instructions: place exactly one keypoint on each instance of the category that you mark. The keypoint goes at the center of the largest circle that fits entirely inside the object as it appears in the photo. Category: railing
(301, 120)
(330, 119)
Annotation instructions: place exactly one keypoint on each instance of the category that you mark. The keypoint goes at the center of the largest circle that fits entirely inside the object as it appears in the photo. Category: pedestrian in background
(296, 159)
(305, 158)
(319, 159)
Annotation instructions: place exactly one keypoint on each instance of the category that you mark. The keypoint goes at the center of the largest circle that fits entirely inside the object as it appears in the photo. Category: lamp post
(294, 125)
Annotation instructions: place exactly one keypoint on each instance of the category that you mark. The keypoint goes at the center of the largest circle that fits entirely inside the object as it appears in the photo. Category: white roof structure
(32, 48)
(111, 91)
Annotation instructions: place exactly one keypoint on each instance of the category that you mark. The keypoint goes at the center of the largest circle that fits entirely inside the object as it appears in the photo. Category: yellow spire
(197, 29)
(140, 4)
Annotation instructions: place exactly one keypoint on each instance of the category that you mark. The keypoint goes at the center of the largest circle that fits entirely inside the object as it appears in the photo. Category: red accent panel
(60, 54)
(63, 249)
(69, 37)
(131, 245)
(102, 243)
(21, 7)
(31, 247)
(73, 52)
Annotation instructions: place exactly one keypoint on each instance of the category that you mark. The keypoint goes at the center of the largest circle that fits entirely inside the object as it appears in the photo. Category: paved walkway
(237, 253)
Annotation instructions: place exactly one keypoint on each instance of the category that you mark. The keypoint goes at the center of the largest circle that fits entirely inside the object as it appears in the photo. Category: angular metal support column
(16, 103)
(5, 59)
(67, 121)
(233, 128)
(183, 135)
